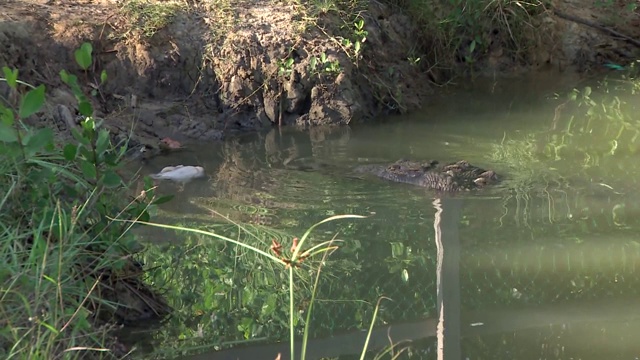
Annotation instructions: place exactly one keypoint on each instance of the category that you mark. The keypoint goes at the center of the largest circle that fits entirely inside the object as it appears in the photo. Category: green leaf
(313, 62)
(79, 137)
(397, 249)
(472, 47)
(88, 170)
(85, 108)
(32, 102)
(39, 140)
(7, 133)
(573, 96)
(162, 199)
(83, 55)
(70, 152)
(11, 150)
(149, 187)
(111, 158)
(87, 154)
(72, 81)
(64, 76)
(144, 216)
(103, 77)
(111, 179)
(11, 76)
(103, 142)
(89, 125)
(6, 116)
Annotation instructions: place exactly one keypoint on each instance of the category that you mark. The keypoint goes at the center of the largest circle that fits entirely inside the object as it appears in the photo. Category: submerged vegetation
(596, 127)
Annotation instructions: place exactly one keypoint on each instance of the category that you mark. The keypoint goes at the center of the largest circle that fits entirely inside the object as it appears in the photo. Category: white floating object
(180, 173)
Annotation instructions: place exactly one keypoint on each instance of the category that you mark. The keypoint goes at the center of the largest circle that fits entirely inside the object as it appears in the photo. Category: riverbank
(197, 70)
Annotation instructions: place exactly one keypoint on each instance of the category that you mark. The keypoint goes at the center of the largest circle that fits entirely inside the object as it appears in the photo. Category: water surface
(544, 265)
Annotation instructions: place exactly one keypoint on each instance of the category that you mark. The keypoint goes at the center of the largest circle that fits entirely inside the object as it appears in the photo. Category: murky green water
(545, 265)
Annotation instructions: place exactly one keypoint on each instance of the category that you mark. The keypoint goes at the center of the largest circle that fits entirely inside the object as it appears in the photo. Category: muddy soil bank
(199, 72)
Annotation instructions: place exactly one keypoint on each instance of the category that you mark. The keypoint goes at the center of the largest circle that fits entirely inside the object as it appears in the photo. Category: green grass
(45, 294)
(46, 278)
(146, 17)
(61, 255)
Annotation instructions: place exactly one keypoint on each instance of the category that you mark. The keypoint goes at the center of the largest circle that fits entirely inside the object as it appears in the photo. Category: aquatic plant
(591, 128)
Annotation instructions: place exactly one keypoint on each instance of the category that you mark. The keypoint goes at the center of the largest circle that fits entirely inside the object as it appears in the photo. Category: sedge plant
(290, 262)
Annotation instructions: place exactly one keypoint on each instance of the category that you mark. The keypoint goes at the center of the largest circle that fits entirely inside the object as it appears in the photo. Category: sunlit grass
(147, 17)
(46, 293)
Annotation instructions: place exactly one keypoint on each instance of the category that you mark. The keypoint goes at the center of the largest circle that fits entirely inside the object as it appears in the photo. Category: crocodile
(458, 176)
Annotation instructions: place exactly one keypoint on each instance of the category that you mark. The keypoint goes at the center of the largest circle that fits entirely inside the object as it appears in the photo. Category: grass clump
(465, 31)
(146, 17)
(66, 268)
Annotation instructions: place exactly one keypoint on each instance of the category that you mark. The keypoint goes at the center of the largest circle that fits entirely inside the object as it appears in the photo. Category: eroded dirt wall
(207, 71)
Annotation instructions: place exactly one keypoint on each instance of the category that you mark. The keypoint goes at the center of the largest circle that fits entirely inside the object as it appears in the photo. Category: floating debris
(170, 144)
(179, 173)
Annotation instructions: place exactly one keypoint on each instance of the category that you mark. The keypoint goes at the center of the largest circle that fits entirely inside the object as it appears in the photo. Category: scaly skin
(459, 176)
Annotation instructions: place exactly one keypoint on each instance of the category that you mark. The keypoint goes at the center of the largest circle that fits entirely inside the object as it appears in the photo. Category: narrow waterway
(535, 267)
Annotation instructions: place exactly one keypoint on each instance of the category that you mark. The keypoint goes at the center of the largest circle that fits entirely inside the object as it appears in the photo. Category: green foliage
(464, 30)
(11, 77)
(58, 238)
(320, 7)
(31, 102)
(322, 65)
(233, 293)
(609, 114)
(285, 67)
(413, 60)
(593, 128)
(83, 55)
(353, 46)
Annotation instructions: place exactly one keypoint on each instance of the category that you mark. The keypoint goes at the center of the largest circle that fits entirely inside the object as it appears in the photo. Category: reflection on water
(543, 265)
